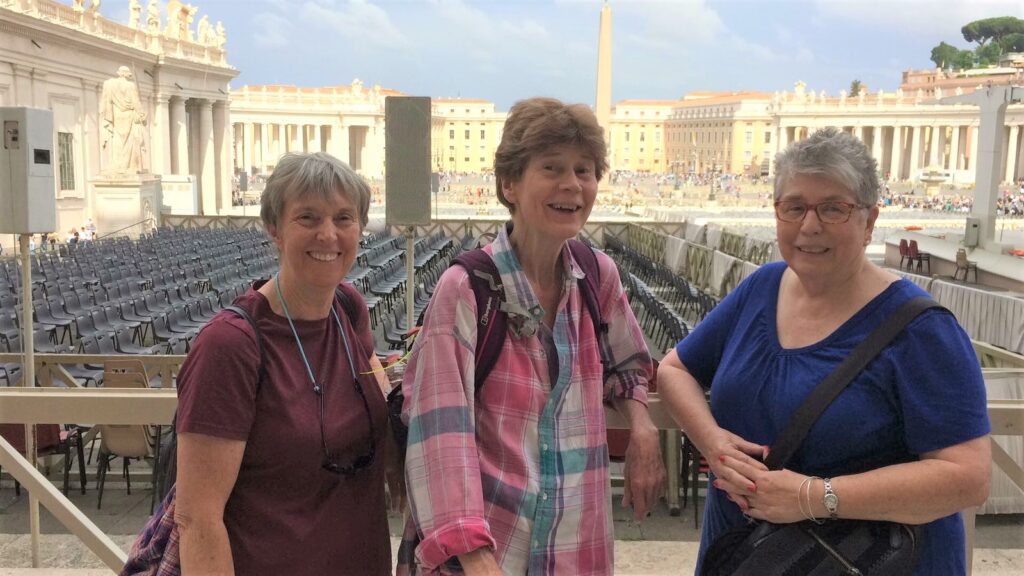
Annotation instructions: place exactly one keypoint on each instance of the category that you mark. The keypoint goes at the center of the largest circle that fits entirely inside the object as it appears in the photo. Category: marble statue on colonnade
(179, 20)
(153, 17)
(134, 14)
(124, 122)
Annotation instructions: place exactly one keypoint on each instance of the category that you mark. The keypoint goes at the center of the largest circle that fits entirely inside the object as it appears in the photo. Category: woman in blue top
(906, 441)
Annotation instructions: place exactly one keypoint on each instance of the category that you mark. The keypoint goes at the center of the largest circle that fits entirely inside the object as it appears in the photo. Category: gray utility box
(28, 203)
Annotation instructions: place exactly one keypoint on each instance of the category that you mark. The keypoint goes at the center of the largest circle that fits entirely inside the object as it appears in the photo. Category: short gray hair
(833, 154)
(318, 174)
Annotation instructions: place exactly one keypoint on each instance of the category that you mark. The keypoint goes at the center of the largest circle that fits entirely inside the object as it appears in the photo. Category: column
(160, 135)
(933, 145)
(295, 138)
(1020, 157)
(40, 94)
(222, 155)
(248, 155)
(207, 172)
(1011, 154)
(897, 153)
(22, 85)
(339, 142)
(178, 137)
(862, 133)
(954, 151)
(876, 147)
(314, 142)
(915, 151)
(974, 150)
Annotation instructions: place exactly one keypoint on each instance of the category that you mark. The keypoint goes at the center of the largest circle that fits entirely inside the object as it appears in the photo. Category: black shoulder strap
(261, 371)
(822, 396)
(589, 289)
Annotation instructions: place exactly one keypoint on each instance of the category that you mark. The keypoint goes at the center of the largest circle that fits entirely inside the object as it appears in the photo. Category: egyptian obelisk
(603, 103)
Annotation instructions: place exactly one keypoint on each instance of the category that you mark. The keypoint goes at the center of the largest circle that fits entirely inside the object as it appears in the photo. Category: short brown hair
(320, 174)
(539, 124)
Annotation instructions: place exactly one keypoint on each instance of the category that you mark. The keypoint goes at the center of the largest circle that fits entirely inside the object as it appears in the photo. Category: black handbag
(867, 547)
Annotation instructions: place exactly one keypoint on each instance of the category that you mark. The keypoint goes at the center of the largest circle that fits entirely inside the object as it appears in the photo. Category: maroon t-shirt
(286, 515)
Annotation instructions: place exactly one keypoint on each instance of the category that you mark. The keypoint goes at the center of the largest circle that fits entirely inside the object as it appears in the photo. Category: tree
(855, 87)
(1012, 42)
(944, 55)
(984, 30)
(988, 54)
(964, 60)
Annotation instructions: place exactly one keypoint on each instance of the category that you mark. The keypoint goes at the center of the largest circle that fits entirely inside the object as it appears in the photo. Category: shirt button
(536, 543)
(543, 495)
(544, 446)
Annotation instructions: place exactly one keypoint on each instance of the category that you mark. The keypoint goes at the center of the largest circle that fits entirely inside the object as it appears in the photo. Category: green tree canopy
(987, 29)
(1012, 42)
(855, 87)
(945, 55)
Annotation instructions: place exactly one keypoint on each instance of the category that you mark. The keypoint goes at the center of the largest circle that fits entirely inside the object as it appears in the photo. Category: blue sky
(507, 50)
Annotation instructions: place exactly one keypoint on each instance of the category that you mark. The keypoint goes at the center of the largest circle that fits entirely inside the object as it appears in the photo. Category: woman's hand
(773, 495)
(723, 451)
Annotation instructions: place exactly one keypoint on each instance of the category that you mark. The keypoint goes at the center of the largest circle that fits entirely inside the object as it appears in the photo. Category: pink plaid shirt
(522, 467)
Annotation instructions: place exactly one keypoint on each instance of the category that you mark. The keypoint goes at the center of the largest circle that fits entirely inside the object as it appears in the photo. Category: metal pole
(28, 370)
(410, 279)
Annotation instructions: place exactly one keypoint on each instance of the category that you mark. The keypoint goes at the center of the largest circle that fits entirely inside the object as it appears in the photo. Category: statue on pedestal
(221, 35)
(153, 17)
(203, 30)
(134, 14)
(124, 123)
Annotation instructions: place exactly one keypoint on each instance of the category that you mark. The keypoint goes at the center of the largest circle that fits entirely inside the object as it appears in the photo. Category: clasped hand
(760, 493)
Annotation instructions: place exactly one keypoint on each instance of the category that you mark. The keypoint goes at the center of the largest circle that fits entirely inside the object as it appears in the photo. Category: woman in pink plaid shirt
(511, 477)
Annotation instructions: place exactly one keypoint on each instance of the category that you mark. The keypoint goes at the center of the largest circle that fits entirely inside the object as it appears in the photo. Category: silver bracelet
(809, 513)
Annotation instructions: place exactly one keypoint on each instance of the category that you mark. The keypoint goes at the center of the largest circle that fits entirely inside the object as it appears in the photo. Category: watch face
(831, 502)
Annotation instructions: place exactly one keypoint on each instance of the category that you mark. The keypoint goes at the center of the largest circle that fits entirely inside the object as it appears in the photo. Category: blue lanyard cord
(344, 339)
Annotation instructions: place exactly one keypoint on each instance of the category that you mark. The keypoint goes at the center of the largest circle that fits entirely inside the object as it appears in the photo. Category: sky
(507, 50)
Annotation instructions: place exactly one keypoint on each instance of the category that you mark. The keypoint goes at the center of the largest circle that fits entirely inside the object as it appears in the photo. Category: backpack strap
(261, 371)
(492, 322)
(485, 280)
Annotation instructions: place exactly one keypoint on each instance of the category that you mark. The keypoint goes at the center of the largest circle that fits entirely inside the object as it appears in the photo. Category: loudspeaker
(407, 160)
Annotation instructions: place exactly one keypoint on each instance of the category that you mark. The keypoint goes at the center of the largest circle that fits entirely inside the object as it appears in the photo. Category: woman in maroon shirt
(283, 473)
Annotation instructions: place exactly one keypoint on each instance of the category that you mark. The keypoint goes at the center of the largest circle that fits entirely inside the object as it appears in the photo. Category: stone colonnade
(258, 145)
(193, 136)
(904, 151)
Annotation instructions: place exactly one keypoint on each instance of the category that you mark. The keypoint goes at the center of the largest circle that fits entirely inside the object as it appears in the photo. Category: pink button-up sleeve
(625, 346)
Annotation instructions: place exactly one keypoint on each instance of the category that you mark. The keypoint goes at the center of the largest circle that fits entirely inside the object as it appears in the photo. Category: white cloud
(939, 19)
(270, 30)
(359, 22)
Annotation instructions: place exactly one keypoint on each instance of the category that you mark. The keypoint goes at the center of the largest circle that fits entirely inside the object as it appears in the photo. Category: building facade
(58, 56)
(465, 132)
(344, 121)
(637, 135)
(728, 132)
(908, 134)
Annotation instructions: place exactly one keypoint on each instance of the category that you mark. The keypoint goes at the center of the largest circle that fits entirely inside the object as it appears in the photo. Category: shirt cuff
(456, 539)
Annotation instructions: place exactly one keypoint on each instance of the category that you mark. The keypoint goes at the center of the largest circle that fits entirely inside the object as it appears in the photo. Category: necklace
(331, 463)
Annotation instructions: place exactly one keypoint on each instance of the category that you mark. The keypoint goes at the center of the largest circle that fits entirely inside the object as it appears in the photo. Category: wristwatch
(831, 500)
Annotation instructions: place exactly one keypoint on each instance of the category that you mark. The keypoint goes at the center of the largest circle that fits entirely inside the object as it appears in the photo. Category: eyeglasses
(331, 463)
(831, 212)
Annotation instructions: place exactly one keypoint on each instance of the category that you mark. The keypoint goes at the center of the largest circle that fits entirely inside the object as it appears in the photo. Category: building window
(642, 138)
(483, 134)
(467, 157)
(451, 134)
(66, 157)
(767, 137)
(627, 136)
(467, 134)
(749, 137)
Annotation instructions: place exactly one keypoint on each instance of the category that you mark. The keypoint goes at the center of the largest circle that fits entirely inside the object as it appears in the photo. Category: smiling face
(317, 238)
(553, 198)
(814, 249)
